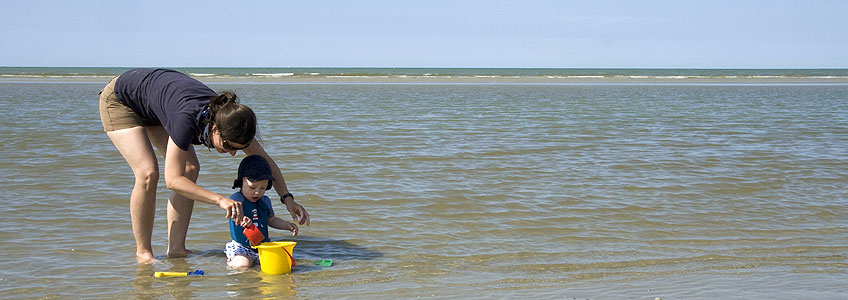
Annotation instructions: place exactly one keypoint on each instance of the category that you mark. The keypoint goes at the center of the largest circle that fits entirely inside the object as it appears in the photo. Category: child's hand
(293, 228)
(245, 222)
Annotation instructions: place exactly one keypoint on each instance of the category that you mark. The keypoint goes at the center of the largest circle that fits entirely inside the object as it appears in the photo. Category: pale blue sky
(430, 33)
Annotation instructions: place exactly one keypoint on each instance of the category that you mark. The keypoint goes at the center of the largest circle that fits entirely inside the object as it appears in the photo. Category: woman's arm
(297, 211)
(175, 180)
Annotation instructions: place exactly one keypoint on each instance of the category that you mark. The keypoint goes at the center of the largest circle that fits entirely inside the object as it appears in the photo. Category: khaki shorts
(114, 114)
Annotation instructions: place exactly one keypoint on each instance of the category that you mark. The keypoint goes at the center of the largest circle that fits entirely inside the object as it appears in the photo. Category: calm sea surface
(553, 191)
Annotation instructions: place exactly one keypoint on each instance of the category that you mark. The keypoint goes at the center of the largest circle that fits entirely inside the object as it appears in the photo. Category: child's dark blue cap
(255, 168)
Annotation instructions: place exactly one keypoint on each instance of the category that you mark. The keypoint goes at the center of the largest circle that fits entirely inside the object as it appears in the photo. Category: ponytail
(222, 100)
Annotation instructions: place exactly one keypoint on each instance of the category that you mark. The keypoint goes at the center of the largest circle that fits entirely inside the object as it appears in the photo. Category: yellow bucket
(276, 257)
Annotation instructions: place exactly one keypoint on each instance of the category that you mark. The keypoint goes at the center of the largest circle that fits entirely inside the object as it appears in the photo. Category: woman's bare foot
(179, 253)
(146, 258)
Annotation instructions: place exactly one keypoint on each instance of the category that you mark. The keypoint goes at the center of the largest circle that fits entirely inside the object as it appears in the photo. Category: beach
(471, 184)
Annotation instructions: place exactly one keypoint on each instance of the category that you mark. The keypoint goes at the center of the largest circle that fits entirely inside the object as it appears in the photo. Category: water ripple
(461, 191)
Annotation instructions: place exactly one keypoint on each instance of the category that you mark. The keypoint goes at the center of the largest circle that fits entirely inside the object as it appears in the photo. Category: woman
(143, 108)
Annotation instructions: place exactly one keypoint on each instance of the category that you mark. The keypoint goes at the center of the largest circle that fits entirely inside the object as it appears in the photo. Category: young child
(254, 178)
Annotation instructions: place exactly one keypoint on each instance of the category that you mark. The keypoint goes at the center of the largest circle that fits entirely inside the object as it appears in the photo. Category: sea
(451, 73)
(457, 183)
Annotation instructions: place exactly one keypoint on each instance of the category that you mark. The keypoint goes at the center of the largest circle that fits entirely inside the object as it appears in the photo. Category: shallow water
(460, 191)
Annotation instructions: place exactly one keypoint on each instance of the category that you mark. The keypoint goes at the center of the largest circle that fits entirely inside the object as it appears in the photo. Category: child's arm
(282, 225)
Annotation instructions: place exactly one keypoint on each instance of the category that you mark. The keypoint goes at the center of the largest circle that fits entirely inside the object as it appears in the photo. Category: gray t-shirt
(168, 97)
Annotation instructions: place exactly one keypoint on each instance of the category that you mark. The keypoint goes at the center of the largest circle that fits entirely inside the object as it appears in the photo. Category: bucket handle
(289, 254)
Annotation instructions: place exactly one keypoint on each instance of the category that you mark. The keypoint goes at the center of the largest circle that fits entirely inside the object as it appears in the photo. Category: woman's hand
(298, 212)
(233, 208)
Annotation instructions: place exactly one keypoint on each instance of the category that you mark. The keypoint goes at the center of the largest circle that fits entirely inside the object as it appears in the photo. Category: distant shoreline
(447, 75)
(406, 79)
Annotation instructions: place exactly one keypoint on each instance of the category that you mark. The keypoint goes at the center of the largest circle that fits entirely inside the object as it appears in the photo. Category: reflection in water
(143, 283)
(277, 285)
(252, 284)
(146, 286)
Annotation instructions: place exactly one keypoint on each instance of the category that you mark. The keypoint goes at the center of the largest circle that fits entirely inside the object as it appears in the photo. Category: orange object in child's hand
(253, 234)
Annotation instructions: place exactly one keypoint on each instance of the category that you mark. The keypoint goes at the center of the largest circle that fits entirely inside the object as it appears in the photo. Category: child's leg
(240, 262)
(239, 256)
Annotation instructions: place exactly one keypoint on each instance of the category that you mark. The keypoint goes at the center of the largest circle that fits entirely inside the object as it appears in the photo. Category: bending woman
(143, 108)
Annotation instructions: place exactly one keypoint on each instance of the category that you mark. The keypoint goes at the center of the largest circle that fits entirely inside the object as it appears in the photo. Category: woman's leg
(179, 207)
(134, 146)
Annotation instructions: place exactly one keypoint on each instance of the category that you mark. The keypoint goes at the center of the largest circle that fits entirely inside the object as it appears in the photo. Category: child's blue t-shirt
(259, 213)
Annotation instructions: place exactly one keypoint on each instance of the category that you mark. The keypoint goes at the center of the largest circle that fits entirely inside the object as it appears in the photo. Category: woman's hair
(236, 122)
